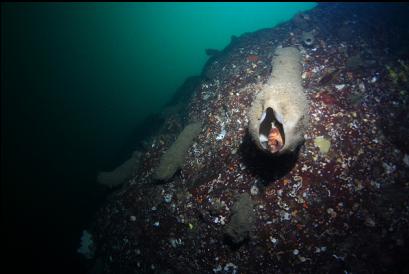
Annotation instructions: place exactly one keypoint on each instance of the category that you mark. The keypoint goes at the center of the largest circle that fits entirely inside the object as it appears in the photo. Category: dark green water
(76, 81)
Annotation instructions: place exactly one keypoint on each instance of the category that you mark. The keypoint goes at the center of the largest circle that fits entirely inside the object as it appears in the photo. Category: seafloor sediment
(345, 210)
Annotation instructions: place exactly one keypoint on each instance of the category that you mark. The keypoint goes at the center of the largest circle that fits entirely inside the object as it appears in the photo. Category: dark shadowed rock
(212, 52)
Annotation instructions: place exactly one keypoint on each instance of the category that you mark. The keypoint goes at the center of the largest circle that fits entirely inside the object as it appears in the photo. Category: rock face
(242, 219)
(345, 210)
(281, 104)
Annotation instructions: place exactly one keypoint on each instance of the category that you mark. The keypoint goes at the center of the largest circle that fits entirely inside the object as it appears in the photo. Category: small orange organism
(252, 58)
(275, 141)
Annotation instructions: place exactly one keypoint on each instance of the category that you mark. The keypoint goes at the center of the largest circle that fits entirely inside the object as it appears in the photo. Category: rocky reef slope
(338, 206)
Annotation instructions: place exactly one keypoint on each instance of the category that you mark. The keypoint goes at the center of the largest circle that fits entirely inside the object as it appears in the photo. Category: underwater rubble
(340, 205)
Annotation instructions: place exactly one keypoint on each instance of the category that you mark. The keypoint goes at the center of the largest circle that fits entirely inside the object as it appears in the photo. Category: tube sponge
(242, 220)
(120, 174)
(278, 115)
(173, 159)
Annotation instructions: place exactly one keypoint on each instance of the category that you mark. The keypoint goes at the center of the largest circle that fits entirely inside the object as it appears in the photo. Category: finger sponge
(173, 159)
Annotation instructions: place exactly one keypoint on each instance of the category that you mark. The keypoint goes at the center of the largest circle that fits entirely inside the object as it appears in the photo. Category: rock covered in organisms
(278, 115)
(302, 21)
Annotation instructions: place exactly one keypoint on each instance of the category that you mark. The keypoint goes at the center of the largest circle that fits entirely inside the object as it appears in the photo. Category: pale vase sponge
(278, 115)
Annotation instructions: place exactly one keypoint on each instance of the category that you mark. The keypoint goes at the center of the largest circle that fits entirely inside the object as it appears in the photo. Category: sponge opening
(268, 123)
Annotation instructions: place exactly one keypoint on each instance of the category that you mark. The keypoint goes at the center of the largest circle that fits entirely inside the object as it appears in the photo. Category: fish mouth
(271, 132)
